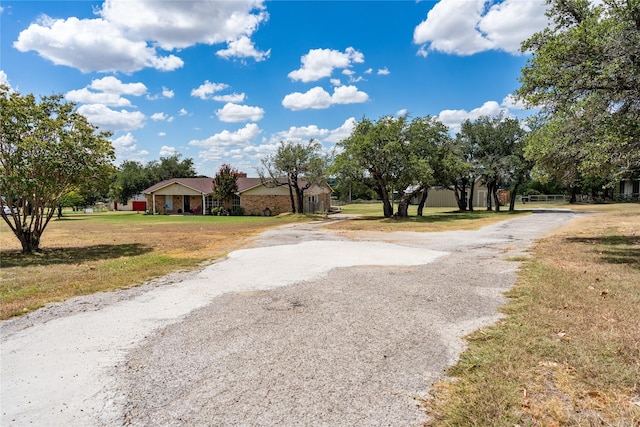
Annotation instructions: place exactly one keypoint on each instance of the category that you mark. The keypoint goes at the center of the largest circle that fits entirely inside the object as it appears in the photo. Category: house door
(168, 203)
(187, 203)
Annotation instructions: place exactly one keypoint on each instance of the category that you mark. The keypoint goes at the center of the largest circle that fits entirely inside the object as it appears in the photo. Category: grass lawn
(568, 351)
(87, 253)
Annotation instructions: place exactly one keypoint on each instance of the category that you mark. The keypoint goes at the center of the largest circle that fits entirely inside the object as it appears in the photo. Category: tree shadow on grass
(619, 249)
(53, 256)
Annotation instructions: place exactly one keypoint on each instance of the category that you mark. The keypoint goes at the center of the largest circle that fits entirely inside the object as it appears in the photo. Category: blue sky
(226, 81)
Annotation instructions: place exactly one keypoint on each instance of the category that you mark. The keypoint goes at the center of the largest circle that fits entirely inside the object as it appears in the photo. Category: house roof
(203, 185)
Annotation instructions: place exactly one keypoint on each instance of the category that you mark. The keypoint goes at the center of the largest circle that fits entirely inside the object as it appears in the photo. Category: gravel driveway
(305, 327)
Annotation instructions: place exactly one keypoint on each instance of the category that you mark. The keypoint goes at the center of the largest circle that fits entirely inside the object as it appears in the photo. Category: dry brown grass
(568, 352)
(83, 254)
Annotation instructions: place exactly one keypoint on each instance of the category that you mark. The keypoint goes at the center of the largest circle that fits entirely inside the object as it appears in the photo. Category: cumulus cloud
(318, 98)
(108, 119)
(91, 45)
(129, 35)
(167, 151)
(4, 80)
(222, 144)
(233, 97)
(126, 148)
(180, 24)
(384, 71)
(301, 133)
(167, 93)
(85, 96)
(159, 117)
(472, 26)
(342, 132)
(207, 89)
(513, 103)
(183, 112)
(320, 63)
(243, 48)
(233, 113)
(106, 91)
(454, 118)
(112, 84)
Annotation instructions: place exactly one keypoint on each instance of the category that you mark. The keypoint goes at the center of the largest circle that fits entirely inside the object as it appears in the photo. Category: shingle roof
(203, 185)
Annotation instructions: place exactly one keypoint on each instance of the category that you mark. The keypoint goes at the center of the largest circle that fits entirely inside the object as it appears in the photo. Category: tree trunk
(496, 198)
(574, 192)
(423, 201)
(490, 196)
(30, 242)
(512, 202)
(471, 188)
(293, 199)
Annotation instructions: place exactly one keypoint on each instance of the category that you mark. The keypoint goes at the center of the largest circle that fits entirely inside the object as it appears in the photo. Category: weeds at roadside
(568, 352)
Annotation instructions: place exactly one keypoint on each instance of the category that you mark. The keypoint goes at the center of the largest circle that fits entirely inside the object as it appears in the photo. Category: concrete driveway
(304, 327)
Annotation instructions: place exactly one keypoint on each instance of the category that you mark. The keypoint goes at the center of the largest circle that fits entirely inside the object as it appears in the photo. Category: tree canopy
(225, 183)
(584, 75)
(47, 150)
(393, 155)
(296, 165)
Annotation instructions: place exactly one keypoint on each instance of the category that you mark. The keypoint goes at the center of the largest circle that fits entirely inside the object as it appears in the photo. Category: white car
(7, 210)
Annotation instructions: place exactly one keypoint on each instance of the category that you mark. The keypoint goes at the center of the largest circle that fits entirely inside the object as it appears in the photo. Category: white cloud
(233, 97)
(4, 80)
(384, 71)
(126, 148)
(335, 82)
(111, 84)
(205, 90)
(320, 63)
(512, 103)
(401, 113)
(222, 144)
(472, 26)
(183, 112)
(302, 133)
(454, 118)
(167, 151)
(91, 45)
(342, 132)
(318, 98)
(167, 93)
(85, 96)
(161, 134)
(243, 48)
(128, 35)
(180, 24)
(159, 117)
(369, 71)
(232, 113)
(107, 119)
(124, 143)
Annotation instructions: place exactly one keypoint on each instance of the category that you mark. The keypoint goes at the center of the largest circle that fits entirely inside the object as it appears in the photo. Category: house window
(236, 201)
(210, 202)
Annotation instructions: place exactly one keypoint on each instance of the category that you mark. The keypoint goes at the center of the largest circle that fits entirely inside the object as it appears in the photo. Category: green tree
(171, 167)
(374, 149)
(47, 149)
(584, 76)
(298, 166)
(497, 156)
(225, 183)
(130, 179)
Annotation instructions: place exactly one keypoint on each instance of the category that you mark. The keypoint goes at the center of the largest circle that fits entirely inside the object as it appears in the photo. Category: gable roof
(202, 185)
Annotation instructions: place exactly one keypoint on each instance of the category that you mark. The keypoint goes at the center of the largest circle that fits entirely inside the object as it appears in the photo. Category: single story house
(629, 189)
(195, 196)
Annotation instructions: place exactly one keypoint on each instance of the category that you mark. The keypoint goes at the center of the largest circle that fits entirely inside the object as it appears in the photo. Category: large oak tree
(585, 76)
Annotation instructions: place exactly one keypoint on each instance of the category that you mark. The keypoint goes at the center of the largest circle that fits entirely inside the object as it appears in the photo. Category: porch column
(203, 206)
(153, 197)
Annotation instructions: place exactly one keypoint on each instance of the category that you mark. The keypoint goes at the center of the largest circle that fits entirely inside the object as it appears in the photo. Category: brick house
(195, 196)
